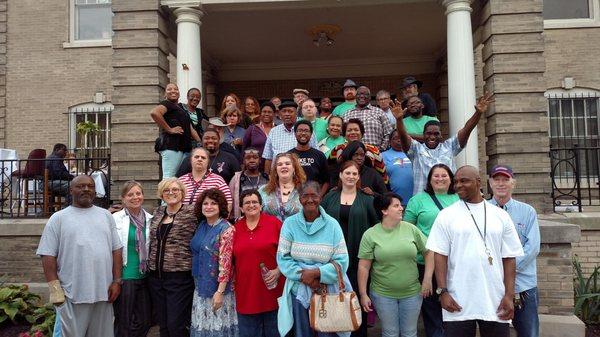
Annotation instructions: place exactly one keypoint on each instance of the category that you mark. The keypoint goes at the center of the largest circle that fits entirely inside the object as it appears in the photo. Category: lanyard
(484, 235)
(197, 185)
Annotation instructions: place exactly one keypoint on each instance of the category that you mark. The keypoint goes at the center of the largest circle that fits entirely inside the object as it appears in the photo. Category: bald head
(83, 191)
(467, 184)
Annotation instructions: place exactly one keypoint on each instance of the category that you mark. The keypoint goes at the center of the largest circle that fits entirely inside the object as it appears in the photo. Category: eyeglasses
(383, 98)
(250, 151)
(171, 190)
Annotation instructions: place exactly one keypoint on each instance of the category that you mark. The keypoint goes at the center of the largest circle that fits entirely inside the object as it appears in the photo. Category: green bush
(18, 305)
(587, 295)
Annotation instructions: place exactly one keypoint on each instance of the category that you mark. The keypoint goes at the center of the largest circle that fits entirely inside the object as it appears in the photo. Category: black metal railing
(31, 188)
(575, 176)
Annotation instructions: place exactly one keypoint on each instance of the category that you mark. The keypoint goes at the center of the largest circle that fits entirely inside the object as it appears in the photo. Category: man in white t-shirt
(475, 245)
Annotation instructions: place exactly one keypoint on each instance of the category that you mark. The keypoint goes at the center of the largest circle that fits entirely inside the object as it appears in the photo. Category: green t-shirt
(341, 109)
(414, 126)
(320, 129)
(328, 144)
(394, 270)
(422, 211)
(132, 270)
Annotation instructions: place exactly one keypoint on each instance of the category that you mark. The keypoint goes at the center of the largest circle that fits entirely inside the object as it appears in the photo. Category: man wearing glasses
(416, 120)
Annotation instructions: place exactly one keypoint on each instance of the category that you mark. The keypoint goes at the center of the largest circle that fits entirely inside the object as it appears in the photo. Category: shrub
(587, 295)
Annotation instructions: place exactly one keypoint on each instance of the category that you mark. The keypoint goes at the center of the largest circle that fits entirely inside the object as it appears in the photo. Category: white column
(461, 75)
(189, 64)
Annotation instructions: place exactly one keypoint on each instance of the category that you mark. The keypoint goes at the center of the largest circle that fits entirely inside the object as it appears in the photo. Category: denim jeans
(302, 324)
(431, 309)
(526, 320)
(258, 325)
(398, 316)
(170, 162)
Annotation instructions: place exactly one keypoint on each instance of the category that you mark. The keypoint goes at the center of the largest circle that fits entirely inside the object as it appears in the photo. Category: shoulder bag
(436, 201)
(335, 312)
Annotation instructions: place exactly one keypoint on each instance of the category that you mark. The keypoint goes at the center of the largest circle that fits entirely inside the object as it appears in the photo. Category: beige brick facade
(517, 127)
(44, 79)
(514, 57)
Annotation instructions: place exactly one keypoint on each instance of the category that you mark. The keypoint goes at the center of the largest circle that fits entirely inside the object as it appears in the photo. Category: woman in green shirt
(132, 307)
(334, 138)
(388, 252)
(422, 209)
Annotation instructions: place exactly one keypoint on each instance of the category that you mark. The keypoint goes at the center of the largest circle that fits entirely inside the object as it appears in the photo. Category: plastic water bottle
(264, 271)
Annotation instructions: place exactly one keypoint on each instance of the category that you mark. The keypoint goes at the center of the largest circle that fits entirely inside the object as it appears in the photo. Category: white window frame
(592, 21)
(89, 108)
(72, 43)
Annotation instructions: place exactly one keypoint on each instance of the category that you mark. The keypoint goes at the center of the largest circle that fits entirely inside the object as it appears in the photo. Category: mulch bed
(13, 330)
(592, 330)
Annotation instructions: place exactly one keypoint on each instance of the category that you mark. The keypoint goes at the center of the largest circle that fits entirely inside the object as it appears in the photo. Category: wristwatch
(440, 291)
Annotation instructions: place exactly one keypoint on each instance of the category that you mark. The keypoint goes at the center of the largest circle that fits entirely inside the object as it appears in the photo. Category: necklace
(252, 184)
(286, 193)
(484, 235)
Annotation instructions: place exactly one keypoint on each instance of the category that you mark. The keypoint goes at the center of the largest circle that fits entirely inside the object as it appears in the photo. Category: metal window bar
(575, 149)
(35, 193)
(100, 141)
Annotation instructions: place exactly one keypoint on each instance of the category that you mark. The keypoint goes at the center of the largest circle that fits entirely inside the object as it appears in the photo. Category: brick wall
(514, 66)
(572, 53)
(555, 279)
(588, 250)
(139, 76)
(330, 87)
(43, 79)
(3, 28)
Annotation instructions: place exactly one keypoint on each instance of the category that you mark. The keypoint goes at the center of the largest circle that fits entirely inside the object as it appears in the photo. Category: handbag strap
(436, 201)
(338, 269)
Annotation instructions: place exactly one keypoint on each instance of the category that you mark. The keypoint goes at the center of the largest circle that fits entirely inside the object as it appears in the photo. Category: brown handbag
(335, 312)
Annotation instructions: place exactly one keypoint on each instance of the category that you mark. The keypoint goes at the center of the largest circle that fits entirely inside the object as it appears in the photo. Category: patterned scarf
(140, 239)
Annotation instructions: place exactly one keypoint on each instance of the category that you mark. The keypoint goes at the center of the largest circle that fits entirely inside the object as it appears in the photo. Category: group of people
(238, 250)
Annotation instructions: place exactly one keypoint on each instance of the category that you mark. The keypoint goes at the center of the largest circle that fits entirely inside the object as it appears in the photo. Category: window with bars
(96, 144)
(574, 120)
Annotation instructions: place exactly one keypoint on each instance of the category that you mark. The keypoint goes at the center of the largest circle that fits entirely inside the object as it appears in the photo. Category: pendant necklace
(484, 235)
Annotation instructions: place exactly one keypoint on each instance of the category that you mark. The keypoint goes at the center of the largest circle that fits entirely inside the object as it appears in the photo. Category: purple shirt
(255, 137)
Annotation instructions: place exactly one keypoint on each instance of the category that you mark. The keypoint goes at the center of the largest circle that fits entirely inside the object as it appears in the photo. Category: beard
(350, 97)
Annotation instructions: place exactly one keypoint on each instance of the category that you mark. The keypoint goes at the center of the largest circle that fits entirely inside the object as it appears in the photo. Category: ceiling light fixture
(322, 35)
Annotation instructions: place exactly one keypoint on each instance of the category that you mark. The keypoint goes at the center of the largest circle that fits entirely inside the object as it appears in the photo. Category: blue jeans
(431, 309)
(170, 161)
(398, 316)
(258, 325)
(302, 324)
(526, 320)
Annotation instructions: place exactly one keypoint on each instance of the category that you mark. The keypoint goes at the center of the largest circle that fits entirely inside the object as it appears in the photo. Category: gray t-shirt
(83, 240)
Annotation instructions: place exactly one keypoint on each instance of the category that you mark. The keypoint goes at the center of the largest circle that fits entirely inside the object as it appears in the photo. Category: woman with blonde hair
(132, 307)
(170, 259)
(280, 194)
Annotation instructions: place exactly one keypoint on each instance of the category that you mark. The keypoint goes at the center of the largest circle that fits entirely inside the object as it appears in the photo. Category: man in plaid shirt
(377, 125)
(433, 150)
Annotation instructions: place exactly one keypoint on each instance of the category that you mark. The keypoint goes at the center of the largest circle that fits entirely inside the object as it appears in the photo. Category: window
(574, 121)
(571, 13)
(96, 144)
(91, 23)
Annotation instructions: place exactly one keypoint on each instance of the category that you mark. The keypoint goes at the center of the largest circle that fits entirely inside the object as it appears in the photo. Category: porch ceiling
(241, 41)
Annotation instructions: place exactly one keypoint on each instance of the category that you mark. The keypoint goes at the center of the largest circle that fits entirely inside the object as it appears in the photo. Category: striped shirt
(193, 188)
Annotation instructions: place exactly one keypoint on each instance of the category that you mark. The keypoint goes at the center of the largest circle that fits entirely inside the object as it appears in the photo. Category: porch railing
(29, 189)
(575, 177)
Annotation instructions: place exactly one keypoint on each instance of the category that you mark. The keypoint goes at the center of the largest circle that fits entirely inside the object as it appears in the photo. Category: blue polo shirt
(526, 223)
